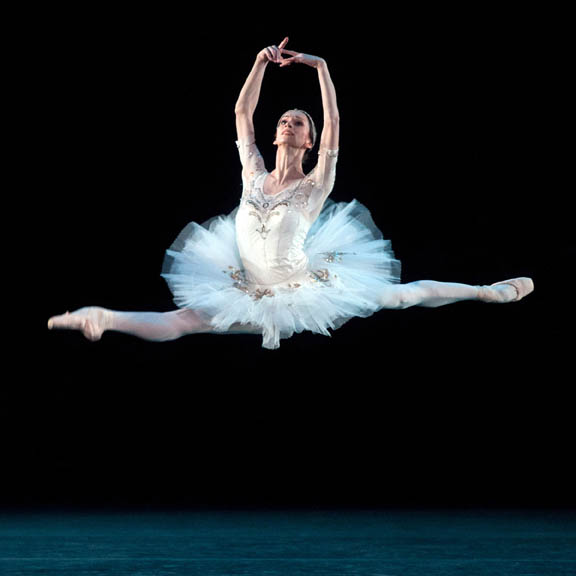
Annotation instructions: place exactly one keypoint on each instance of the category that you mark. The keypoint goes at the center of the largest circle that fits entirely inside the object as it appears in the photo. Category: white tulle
(349, 265)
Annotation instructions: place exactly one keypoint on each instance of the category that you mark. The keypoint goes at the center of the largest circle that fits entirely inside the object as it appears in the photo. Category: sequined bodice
(271, 229)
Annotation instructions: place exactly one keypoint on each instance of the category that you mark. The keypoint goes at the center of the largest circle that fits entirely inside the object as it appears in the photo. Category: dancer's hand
(272, 53)
(300, 58)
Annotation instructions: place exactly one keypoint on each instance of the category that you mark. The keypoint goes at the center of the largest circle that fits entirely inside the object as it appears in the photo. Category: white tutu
(350, 264)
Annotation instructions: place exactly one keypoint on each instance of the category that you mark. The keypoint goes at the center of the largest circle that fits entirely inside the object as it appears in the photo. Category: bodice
(271, 229)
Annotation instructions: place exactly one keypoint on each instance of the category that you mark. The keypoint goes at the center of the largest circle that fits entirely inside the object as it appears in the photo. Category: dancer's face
(293, 129)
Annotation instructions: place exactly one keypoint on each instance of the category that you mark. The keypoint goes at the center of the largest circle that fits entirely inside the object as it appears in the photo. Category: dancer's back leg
(154, 326)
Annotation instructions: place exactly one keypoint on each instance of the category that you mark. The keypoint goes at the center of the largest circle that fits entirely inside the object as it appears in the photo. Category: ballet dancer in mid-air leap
(288, 259)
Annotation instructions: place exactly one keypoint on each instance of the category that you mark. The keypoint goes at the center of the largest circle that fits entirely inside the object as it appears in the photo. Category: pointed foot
(91, 321)
(522, 287)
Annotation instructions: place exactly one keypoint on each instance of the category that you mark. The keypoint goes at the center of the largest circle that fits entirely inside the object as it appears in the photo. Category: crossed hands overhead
(276, 54)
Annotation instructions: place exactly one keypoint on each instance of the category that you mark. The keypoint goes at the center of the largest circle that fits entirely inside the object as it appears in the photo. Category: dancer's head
(296, 128)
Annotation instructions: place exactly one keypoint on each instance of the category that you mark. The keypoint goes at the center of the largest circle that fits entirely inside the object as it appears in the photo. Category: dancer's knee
(167, 326)
(399, 297)
(181, 322)
(185, 321)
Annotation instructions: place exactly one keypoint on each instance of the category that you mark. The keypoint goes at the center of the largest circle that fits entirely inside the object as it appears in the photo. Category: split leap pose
(288, 258)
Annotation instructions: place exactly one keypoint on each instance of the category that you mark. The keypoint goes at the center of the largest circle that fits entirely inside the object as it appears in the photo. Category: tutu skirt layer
(350, 265)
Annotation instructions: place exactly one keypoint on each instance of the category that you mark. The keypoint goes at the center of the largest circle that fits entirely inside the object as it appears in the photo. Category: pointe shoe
(523, 287)
(91, 321)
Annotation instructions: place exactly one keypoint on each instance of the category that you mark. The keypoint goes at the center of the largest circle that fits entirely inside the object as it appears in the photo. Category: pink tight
(164, 326)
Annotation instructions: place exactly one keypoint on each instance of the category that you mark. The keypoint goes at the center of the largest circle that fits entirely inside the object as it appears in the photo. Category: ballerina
(288, 258)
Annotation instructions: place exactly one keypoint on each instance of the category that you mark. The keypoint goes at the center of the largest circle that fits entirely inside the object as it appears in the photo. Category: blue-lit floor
(289, 543)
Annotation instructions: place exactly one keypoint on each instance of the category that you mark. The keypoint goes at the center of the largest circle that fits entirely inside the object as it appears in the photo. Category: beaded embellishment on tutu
(205, 272)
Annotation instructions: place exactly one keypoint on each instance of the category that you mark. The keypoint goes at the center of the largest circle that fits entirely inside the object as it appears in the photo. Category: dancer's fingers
(275, 53)
(283, 43)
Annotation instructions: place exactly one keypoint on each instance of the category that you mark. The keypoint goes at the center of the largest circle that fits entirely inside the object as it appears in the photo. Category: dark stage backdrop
(446, 135)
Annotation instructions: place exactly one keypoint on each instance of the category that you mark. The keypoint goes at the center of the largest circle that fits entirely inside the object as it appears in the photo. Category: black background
(451, 133)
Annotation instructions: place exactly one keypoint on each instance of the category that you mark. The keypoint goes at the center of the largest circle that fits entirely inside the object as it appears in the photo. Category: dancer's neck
(288, 164)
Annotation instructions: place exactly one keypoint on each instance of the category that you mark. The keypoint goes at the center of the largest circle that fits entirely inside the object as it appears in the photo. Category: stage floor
(289, 542)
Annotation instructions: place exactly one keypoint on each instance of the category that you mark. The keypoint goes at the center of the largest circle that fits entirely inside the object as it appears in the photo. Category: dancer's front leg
(431, 294)
(155, 326)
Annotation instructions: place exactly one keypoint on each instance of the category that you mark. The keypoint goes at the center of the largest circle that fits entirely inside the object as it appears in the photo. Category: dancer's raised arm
(250, 93)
